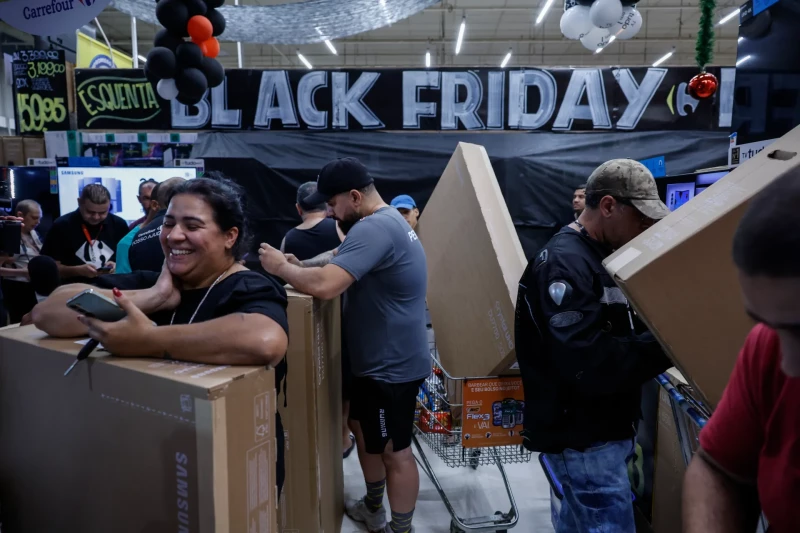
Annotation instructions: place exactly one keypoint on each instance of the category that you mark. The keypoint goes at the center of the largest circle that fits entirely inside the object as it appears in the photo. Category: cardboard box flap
(209, 381)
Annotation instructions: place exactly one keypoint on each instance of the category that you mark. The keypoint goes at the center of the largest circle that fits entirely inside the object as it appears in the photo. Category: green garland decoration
(704, 48)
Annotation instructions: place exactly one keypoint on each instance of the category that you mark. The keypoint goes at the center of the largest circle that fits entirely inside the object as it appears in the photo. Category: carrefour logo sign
(50, 17)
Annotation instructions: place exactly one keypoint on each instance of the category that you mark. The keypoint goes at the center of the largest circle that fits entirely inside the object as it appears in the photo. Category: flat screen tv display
(122, 183)
(676, 191)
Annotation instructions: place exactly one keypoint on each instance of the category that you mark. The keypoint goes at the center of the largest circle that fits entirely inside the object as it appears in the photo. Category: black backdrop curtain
(537, 172)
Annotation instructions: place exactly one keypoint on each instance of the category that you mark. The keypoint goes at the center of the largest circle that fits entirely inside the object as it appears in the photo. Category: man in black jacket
(584, 354)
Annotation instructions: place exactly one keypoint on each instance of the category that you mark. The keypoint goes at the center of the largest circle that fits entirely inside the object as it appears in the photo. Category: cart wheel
(454, 528)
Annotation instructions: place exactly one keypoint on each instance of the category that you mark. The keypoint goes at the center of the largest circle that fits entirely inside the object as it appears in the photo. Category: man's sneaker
(357, 510)
(388, 529)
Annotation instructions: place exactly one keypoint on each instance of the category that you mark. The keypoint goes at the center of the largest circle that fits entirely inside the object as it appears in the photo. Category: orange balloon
(210, 47)
(200, 28)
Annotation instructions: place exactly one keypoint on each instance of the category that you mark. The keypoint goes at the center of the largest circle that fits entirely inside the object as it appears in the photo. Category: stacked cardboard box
(132, 444)
(680, 276)
(15, 151)
(311, 412)
(475, 262)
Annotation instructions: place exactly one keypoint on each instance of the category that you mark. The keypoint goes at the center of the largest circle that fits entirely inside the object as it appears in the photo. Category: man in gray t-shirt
(381, 269)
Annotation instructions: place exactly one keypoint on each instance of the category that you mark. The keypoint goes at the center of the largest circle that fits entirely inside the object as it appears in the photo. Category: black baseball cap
(338, 176)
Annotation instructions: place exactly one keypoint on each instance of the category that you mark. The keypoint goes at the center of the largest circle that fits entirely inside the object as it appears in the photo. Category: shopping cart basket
(439, 425)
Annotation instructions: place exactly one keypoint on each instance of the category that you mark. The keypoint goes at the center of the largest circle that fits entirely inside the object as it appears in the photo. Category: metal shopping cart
(439, 425)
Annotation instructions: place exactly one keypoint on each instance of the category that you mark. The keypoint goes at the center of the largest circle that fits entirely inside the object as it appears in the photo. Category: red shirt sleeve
(734, 435)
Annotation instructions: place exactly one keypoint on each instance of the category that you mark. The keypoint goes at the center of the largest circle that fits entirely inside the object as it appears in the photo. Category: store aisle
(474, 493)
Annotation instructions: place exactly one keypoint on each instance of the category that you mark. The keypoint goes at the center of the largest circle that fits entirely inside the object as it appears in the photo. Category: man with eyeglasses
(145, 195)
(584, 354)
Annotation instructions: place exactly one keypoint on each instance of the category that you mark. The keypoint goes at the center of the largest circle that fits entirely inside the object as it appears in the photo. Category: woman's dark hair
(225, 198)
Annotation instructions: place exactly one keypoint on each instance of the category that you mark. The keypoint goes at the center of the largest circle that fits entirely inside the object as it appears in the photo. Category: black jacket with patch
(583, 354)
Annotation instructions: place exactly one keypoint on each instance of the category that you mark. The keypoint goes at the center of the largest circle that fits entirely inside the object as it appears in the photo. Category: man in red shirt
(749, 456)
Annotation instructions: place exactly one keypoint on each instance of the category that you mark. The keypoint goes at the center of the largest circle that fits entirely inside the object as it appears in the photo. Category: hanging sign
(118, 99)
(40, 91)
(50, 17)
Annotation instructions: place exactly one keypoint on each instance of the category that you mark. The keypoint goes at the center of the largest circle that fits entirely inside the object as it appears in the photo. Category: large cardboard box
(669, 470)
(13, 152)
(312, 500)
(34, 148)
(680, 275)
(132, 445)
(475, 262)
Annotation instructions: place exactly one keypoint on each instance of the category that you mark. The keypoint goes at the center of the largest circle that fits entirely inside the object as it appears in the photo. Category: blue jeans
(597, 491)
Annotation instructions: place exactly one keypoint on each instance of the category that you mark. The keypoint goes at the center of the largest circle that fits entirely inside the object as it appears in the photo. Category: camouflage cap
(629, 180)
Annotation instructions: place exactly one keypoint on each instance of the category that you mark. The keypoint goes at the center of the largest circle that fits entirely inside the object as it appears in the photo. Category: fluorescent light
(506, 59)
(610, 40)
(729, 16)
(428, 59)
(143, 59)
(740, 39)
(461, 35)
(742, 60)
(305, 61)
(544, 11)
(331, 47)
(663, 58)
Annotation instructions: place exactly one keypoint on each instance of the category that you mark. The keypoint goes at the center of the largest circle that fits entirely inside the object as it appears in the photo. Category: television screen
(122, 183)
(678, 194)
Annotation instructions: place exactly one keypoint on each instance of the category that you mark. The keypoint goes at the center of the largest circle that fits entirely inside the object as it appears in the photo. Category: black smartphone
(92, 304)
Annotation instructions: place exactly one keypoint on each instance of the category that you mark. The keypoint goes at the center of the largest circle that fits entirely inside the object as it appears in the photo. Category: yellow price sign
(36, 112)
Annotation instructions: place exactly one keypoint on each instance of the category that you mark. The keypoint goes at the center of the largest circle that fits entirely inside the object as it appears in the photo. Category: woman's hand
(130, 337)
(166, 292)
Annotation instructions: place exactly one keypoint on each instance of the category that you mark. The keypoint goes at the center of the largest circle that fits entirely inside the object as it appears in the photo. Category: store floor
(473, 492)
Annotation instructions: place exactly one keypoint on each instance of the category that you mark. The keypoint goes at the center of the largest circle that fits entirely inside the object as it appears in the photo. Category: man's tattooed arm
(321, 260)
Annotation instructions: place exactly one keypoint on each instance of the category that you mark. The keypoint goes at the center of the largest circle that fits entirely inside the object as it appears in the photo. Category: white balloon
(575, 22)
(596, 38)
(628, 24)
(167, 89)
(605, 13)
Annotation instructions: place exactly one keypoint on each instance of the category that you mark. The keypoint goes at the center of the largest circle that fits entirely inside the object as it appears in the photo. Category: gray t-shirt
(384, 310)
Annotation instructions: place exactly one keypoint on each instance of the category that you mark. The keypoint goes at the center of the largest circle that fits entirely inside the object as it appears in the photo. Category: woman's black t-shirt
(241, 292)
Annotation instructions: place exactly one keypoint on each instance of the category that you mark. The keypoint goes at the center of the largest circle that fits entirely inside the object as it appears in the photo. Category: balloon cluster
(183, 70)
(597, 22)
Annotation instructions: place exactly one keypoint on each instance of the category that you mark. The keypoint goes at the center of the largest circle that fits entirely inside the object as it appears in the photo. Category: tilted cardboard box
(680, 275)
(132, 445)
(475, 262)
(312, 500)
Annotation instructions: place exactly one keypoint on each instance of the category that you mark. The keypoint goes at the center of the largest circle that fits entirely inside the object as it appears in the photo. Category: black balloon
(213, 71)
(161, 62)
(152, 78)
(191, 83)
(174, 16)
(217, 21)
(586, 3)
(189, 55)
(196, 7)
(629, 3)
(167, 40)
(186, 100)
(213, 4)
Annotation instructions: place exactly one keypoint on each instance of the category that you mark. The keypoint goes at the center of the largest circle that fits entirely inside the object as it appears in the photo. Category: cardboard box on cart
(132, 445)
(312, 500)
(680, 276)
(475, 262)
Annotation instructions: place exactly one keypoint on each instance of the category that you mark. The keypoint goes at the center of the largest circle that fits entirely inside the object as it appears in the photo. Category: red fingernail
(117, 292)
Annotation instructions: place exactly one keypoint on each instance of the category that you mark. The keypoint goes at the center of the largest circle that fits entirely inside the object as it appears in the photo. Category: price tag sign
(40, 91)
(493, 412)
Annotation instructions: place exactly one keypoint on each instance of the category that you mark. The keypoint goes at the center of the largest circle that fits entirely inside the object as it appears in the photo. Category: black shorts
(385, 412)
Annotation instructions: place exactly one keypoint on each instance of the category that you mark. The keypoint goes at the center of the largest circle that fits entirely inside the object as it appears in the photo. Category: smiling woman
(203, 306)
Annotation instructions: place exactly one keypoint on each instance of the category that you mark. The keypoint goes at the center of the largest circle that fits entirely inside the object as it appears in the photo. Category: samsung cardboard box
(680, 275)
(312, 500)
(132, 445)
(475, 262)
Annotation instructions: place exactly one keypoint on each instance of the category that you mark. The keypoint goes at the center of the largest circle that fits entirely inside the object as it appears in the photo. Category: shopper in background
(145, 195)
(749, 456)
(381, 269)
(209, 308)
(19, 295)
(584, 355)
(579, 201)
(408, 208)
(146, 252)
(84, 242)
(124, 246)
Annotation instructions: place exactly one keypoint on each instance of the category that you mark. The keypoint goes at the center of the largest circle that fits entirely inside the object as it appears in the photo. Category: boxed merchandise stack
(311, 412)
(132, 444)
(475, 263)
(680, 275)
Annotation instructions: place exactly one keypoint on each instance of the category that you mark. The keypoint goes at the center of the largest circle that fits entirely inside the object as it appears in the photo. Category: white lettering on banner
(587, 81)
(518, 83)
(413, 82)
(221, 116)
(347, 102)
(182, 118)
(638, 96)
(466, 111)
(495, 107)
(275, 86)
(182, 484)
(308, 86)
